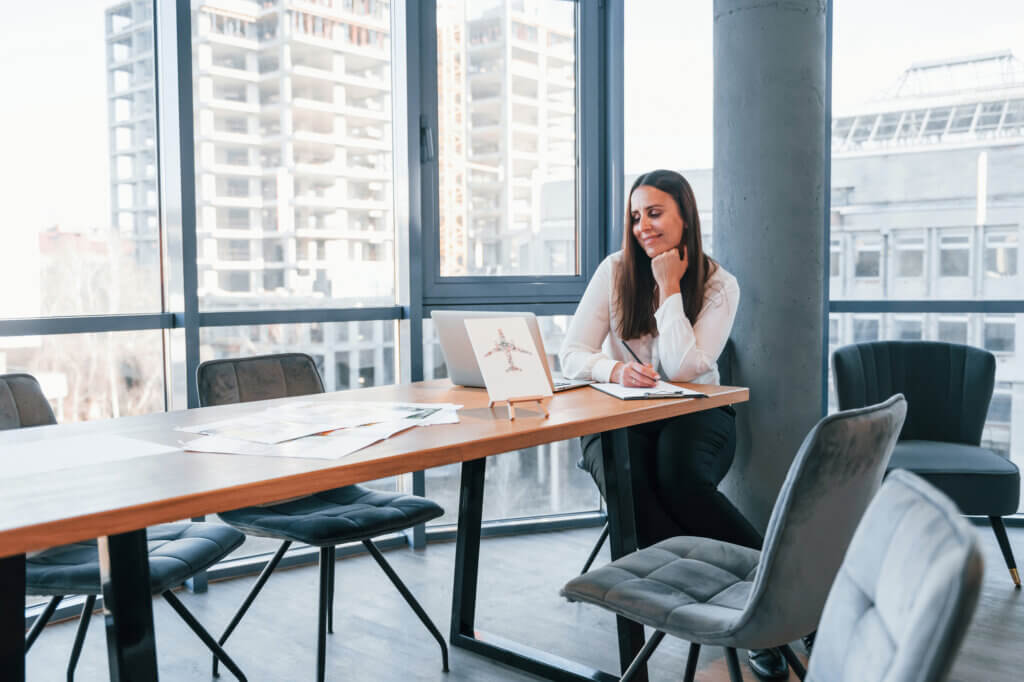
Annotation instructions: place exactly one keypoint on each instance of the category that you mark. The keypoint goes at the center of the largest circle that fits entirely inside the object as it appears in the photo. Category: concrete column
(769, 212)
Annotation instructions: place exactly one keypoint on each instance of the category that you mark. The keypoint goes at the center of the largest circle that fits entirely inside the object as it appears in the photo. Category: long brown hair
(635, 285)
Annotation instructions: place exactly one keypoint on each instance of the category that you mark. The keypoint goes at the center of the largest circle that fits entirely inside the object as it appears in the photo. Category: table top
(47, 509)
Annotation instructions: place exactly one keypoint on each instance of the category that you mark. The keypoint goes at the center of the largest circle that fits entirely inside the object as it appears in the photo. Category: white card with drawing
(508, 358)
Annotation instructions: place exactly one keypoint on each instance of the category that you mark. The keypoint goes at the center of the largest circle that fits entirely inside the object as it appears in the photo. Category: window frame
(592, 147)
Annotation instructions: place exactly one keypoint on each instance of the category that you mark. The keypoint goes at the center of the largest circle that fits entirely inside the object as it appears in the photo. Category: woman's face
(657, 224)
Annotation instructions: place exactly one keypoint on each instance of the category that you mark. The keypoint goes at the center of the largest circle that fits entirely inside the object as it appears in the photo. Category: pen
(630, 351)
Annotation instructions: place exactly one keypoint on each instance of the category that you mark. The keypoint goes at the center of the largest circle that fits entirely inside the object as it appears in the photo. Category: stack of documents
(320, 430)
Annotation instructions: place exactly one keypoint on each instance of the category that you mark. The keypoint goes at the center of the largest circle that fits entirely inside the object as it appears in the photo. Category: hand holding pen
(634, 374)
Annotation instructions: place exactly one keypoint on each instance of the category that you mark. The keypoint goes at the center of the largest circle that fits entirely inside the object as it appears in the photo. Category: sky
(53, 123)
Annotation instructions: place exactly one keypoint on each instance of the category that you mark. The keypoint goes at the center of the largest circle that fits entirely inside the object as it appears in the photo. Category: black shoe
(768, 664)
(808, 641)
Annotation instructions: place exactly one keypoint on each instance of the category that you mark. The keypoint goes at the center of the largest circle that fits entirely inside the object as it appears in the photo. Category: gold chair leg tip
(1015, 576)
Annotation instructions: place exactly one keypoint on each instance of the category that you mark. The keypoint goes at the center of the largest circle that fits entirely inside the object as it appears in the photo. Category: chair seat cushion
(979, 480)
(341, 515)
(177, 551)
(690, 587)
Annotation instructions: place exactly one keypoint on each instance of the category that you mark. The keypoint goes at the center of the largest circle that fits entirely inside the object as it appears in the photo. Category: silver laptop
(463, 369)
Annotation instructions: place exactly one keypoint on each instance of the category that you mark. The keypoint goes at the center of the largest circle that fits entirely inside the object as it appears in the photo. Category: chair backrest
(905, 593)
(725, 363)
(22, 402)
(948, 386)
(832, 479)
(262, 377)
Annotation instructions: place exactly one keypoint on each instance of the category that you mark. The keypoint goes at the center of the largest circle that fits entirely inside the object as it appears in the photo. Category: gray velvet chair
(177, 551)
(901, 603)
(347, 514)
(712, 592)
(948, 387)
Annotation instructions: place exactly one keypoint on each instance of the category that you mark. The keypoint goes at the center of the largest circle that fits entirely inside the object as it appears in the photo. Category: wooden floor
(377, 638)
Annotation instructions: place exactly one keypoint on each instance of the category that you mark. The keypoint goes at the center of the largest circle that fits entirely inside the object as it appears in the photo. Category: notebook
(661, 390)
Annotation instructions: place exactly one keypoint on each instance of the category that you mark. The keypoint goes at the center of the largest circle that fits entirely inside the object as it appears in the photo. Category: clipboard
(662, 389)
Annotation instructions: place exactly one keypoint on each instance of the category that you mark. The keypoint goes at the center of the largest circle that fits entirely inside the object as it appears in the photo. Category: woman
(674, 306)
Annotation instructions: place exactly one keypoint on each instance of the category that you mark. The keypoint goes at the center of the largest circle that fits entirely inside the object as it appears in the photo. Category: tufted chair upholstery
(326, 519)
(711, 592)
(948, 389)
(177, 551)
(904, 596)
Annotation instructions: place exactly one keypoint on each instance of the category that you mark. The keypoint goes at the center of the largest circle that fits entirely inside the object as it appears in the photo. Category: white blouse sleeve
(687, 351)
(581, 355)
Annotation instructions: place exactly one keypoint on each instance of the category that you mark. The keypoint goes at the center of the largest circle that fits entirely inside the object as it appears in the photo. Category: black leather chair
(948, 388)
(724, 378)
(177, 551)
(324, 520)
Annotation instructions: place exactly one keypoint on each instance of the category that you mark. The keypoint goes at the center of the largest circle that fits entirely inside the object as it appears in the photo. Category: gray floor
(377, 638)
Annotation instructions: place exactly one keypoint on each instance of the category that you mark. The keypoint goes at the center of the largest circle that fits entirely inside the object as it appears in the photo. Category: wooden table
(117, 501)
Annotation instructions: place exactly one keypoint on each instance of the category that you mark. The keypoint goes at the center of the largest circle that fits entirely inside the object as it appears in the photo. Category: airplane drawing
(503, 345)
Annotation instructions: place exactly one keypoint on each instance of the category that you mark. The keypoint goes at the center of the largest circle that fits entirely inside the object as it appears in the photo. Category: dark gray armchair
(948, 388)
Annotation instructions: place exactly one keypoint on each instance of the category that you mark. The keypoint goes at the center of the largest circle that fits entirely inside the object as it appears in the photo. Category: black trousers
(678, 464)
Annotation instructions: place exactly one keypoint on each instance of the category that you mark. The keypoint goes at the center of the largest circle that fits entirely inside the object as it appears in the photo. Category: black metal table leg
(464, 633)
(622, 533)
(128, 607)
(12, 617)
(467, 548)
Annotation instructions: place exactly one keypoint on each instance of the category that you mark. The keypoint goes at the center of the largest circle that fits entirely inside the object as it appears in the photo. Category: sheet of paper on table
(44, 456)
(286, 423)
(334, 445)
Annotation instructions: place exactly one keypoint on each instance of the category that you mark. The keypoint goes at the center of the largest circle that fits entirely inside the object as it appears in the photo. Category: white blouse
(680, 351)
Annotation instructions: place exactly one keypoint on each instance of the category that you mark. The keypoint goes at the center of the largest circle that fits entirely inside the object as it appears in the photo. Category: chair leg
(1004, 545)
(205, 636)
(247, 602)
(794, 661)
(321, 631)
(734, 665)
(597, 548)
(41, 621)
(641, 658)
(411, 600)
(330, 593)
(83, 628)
(691, 662)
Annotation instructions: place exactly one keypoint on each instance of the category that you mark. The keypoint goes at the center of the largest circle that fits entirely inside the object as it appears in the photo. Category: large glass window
(865, 329)
(506, 94)
(909, 255)
(294, 162)
(952, 329)
(954, 256)
(869, 257)
(666, 126)
(92, 376)
(80, 232)
(949, 206)
(924, 140)
(1000, 334)
(1001, 254)
(907, 328)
